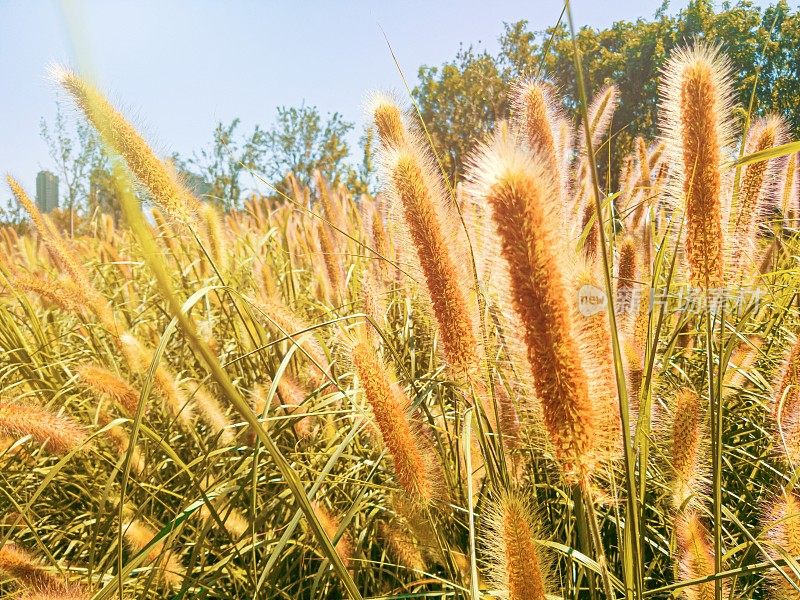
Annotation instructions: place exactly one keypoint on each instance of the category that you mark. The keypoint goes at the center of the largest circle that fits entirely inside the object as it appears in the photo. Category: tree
(222, 165)
(464, 98)
(301, 142)
(77, 152)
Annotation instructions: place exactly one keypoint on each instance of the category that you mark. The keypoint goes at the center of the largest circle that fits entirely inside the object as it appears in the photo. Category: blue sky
(176, 67)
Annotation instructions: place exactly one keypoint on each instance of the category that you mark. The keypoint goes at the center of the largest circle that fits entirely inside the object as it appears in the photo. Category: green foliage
(463, 98)
(77, 154)
(301, 142)
(221, 166)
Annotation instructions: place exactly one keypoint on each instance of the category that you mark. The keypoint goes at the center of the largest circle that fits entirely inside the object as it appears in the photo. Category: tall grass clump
(526, 381)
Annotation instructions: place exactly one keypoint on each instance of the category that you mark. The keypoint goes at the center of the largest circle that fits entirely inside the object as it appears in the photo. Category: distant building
(46, 191)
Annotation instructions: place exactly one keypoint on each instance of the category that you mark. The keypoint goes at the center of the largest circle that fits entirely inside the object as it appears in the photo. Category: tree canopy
(463, 98)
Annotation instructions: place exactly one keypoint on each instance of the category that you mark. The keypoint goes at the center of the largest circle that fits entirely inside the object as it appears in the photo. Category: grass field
(522, 385)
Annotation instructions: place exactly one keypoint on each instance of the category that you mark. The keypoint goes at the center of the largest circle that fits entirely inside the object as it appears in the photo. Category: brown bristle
(105, 382)
(518, 191)
(686, 435)
(515, 565)
(390, 407)
(449, 304)
(61, 434)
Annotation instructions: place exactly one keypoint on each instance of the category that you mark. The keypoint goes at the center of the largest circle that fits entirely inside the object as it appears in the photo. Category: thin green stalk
(632, 521)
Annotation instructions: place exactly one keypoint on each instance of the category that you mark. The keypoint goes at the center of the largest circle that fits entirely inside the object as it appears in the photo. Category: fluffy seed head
(19, 418)
(627, 273)
(696, 99)
(104, 381)
(402, 546)
(52, 240)
(60, 293)
(412, 463)
(330, 205)
(215, 234)
(696, 556)
(138, 535)
(783, 531)
(755, 190)
(520, 194)
(435, 257)
(786, 404)
(686, 436)
(17, 563)
(210, 411)
(164, 185)
(329, 255)
(601, 111)
(537, 116)
(388, 118)
(789, 195)
(58, 591)
(330, 524)
(515, 564)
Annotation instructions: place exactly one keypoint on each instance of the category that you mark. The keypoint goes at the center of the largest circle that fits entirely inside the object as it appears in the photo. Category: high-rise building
(46, 191)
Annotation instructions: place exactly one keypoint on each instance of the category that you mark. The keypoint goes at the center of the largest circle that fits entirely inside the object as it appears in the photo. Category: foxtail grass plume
(139, 359)
(122, 442)
(58, 592)
(215, 235)
(590, 227)
(166, 189)
(138, 536)
(696, 102)
(388, 118)
(60, 434)
(782, 529)
(174, 396)
(695, 556)
(627, 274)
(601, 111)
(291, 397)
(523, 199)
(755, 190)
(297, 331)
(330, 205)
(537, 115)
(515, 565)
(402, 546)
(644, 163)
(54, 243)
(103, 381)
(686, 442)
(17, 563)
(593, 335)
(330, 524)
(786, 404)
(789, 195)
(74, 278)
(390, 407)
(62, 294)
(210, 411)
(418, 199)
(332, 266)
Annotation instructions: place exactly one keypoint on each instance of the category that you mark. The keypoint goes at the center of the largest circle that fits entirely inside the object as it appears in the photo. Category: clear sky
(176, 67)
